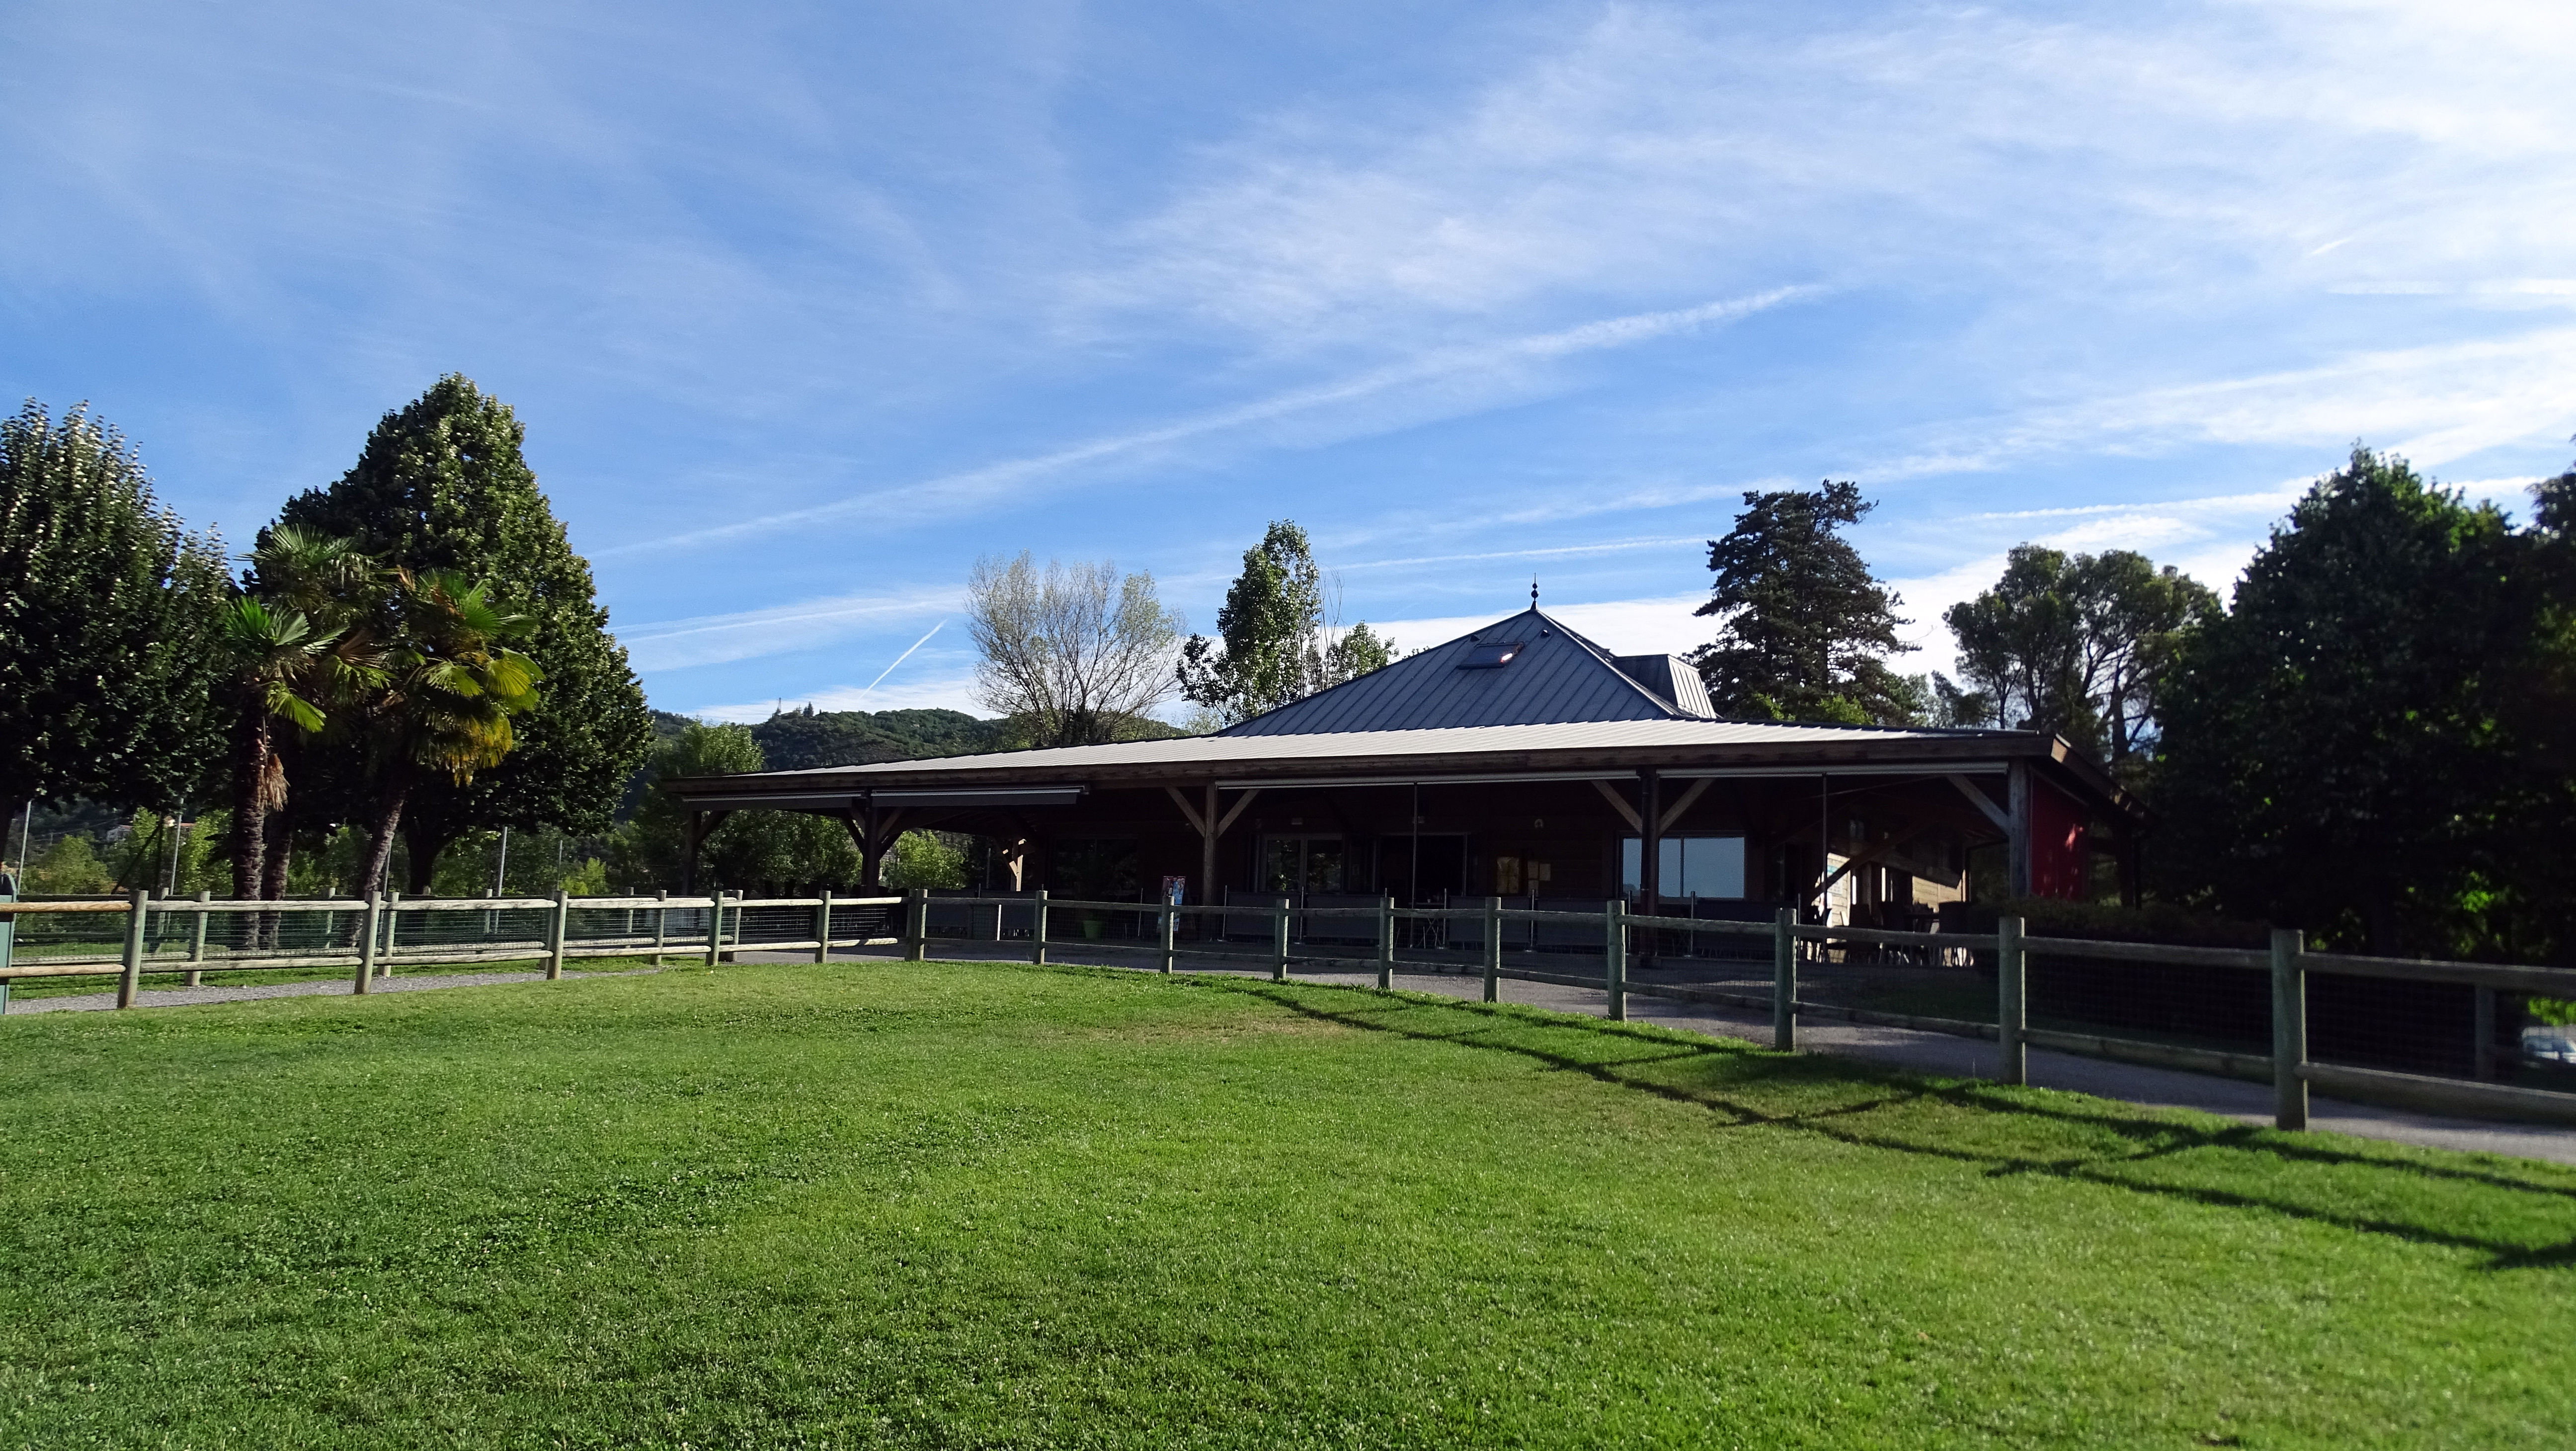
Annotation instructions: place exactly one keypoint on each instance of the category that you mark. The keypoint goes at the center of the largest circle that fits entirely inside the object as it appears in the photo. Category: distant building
(1521, 760)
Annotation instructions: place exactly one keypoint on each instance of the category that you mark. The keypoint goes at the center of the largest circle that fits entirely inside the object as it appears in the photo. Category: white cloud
(1655, 625)
(1441, 381)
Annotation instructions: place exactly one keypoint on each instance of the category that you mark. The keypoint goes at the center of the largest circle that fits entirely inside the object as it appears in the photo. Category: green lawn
(966, 1205)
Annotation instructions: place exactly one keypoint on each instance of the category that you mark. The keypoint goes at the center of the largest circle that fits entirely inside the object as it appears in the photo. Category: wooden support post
(2017, 867)
(2012, 1002)
(2482, 1015)
(1207, 851)
(130, 985)
(1279, 941)
(1038, 928)
(561, 927)
(1784, 981)
(367, 924)
(715, 927)
(1385, 943)
(661, 924)
(1614, 956)
(197, 940)
(1169, 929)
(2289, 1029)
(1650, 855)
(916, 925)
(823, 926)
(1493, 949)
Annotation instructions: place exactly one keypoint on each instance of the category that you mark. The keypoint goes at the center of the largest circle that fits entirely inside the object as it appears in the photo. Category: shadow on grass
(2147, 1140)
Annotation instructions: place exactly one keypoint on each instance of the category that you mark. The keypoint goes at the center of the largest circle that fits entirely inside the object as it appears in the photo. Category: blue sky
(806, 307)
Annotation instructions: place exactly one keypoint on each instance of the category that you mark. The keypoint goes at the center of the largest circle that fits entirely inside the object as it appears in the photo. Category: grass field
(970, 1205)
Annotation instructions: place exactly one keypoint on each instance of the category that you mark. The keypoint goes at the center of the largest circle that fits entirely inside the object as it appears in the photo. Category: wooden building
(1520, 760)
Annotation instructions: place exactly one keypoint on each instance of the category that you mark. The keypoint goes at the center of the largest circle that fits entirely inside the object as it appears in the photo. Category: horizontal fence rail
(375, 939)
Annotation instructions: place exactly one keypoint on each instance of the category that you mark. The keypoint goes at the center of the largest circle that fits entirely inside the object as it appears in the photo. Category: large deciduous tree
(1277, 636)
(111, 621)
(1074, 654)
(443, 485)
(786, 849)
(2078, 645)
(1804, 628)
(2374, 744)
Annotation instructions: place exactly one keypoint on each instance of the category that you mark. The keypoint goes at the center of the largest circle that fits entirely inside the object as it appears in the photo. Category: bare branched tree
(1075, 653)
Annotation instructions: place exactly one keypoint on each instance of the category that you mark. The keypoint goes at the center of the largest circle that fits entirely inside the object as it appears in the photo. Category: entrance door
(1303, 864)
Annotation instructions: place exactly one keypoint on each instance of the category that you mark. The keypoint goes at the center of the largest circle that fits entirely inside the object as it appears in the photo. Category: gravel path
(251, 992)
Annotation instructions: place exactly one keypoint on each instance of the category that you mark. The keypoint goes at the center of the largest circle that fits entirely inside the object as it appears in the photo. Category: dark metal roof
(1556, 677)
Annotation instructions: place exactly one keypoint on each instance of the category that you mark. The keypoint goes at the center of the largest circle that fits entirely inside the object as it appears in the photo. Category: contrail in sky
(899, 659)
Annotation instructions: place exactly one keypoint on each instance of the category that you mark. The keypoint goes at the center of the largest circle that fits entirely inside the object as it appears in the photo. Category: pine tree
(1804, 627)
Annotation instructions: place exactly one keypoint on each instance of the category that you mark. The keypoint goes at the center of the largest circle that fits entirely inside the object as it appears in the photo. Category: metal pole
(501, 866)
(367, 944)
(661, 923)
(178, 828)
(1037, 928)
(1385, 942)
(1493, 949)
(2482, 1017)
(2289, 1029)
(1614, 956)
(197, 939)
(393, 932)
(823, 926)
(562, 926)
(2011, 1002)
(1784, 981)
(1279, 941)
(130, 985)
(1169, 929)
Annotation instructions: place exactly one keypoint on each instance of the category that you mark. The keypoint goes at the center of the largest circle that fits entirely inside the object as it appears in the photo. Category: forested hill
(801, 739)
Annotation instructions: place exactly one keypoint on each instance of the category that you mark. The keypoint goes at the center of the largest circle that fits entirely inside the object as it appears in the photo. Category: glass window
(1687, 866)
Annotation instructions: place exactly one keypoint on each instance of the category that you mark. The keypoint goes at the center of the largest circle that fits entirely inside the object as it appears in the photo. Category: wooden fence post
(130, 985)
(1493, 949)
(2289, 1029)
(1614, 956)
(1279, 941)
(368, 921)
(1385, 943)
(1170, 930)
(1784, 981)
(823, 926)
(1037, 928)
(661, 924)
(555, 938)
(916, 925)
(715, 926)
(2012, 1002)
(197, 940)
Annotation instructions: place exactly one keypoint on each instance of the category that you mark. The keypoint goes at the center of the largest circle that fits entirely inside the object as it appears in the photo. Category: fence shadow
(1645, 1059)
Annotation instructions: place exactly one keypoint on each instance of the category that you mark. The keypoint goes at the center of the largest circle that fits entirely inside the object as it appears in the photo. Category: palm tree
(288, 667)
(451, 685)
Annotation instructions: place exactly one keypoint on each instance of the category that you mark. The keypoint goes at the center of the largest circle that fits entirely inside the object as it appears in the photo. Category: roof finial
(1533, 591)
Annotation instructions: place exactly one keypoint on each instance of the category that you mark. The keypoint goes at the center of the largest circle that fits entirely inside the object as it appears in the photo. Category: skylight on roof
(1490, 657)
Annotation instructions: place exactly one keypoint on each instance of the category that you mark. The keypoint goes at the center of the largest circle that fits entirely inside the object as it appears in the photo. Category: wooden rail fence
(713, 926)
